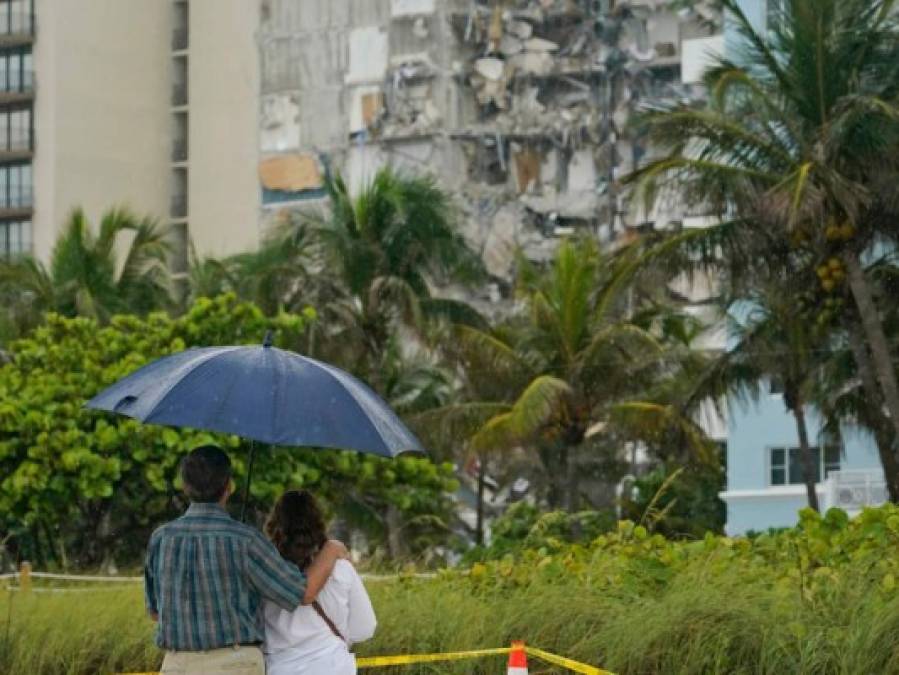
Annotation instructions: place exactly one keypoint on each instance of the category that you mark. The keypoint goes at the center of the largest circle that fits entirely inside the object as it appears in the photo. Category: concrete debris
(540, 45)
(527, 169)
(369, 50)
(490, 68)
(522, 29)
(571, 205)
(420, 28)
(534, 63)
(510, 45)
(279, 123)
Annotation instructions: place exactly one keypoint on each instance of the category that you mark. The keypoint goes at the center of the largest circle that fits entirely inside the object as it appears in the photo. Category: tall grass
(104, 631)
(721, 625)
(821, 599)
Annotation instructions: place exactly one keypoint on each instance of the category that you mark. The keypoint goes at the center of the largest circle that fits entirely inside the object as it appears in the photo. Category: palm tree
(797, 145)
(278, 276)
(380, 253)
(85, 276)
(775, 343)
(587, 368)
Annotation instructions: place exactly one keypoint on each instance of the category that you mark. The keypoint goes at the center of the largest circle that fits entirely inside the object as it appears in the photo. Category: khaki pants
(230, 661)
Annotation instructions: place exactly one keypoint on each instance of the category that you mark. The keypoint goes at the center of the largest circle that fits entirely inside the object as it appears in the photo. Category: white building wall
(102, 131)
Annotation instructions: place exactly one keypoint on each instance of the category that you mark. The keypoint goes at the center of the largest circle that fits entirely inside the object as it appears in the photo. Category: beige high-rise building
(149, 104)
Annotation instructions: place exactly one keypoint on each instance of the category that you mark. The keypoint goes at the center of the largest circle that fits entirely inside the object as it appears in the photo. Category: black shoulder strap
(318, 609)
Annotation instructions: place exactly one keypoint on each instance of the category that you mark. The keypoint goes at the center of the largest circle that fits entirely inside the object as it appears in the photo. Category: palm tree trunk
(393, 521)
(479, 527)
(805, 454)
(884, 436)
(572, 493)
(560, 480)
(875, 337)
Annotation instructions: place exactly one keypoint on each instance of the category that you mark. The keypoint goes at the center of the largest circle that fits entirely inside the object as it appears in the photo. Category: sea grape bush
(805, 560)
(79, 487)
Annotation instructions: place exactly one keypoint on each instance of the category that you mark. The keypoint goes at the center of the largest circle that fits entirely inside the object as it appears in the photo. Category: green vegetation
(73, 480)
(85, 277)
(817, 599)
(794, 154)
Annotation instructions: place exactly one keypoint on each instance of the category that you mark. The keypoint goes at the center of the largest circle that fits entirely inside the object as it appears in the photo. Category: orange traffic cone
(518, 660)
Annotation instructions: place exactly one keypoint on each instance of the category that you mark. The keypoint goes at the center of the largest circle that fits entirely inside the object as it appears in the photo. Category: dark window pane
(832, 457)
(777, 457)
(777, 476)
(797, 476)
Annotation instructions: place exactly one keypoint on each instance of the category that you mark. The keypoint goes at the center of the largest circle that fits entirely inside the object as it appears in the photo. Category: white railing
(852, 490)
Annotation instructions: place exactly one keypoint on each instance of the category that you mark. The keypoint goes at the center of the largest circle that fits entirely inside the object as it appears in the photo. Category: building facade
(149, 105)
(520, 109)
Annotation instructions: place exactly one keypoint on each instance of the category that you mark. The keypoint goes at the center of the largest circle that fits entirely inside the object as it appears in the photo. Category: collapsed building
(520, 108)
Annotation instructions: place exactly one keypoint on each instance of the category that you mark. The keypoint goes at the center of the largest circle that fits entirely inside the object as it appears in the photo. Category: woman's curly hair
(296, 527)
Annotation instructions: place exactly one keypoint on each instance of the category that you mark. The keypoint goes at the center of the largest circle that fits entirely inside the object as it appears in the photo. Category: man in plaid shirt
(207, 574)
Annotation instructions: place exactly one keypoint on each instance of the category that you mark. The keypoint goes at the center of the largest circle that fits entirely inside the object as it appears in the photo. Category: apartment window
(15, 238)
(16, 70)
(15, 186)
(786, 464)
(16, 17)
(15, 130)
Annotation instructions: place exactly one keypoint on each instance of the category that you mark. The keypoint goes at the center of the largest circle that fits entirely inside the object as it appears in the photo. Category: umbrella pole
(246, 490)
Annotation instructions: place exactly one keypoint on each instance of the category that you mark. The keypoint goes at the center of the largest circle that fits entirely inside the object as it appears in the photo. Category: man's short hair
(205, 472)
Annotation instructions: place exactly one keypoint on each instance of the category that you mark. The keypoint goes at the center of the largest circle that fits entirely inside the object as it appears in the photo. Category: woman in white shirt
(313, 640)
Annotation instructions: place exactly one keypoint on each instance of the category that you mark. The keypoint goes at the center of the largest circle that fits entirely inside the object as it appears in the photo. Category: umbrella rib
(188, 367)
(341, 377)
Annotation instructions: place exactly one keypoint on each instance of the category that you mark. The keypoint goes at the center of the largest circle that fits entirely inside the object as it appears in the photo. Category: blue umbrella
(264, 394)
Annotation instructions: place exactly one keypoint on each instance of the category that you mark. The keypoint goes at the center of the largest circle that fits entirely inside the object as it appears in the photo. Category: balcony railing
(16, 200)
(179, 206)
(18, 141)
(16, 24)
(179, 94)
(180, 38)
(16, 83)
(179, 150)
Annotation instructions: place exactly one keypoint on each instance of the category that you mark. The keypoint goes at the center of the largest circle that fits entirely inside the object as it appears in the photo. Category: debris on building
(521, 108)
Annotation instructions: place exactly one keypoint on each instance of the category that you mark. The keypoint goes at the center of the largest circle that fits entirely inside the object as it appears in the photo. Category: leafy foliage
(80, 486)
(794, 153)
(84, 276)
(578, 374)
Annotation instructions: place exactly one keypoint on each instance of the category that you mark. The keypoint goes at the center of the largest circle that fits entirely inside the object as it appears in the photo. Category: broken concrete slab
(369, 51)
(490, 67)
(279, 123)
(540, 45)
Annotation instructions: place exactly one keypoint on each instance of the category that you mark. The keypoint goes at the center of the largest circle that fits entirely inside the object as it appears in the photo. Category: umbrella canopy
(264, 394)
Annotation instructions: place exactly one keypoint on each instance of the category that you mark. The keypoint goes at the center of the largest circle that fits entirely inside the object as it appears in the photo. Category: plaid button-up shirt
(206, 576)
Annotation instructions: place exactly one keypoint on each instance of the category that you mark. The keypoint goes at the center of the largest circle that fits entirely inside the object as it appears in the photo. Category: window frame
(826, 465)
(25, 231)
(16, 70)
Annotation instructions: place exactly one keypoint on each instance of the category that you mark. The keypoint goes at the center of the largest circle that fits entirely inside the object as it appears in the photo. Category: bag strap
(321, 612)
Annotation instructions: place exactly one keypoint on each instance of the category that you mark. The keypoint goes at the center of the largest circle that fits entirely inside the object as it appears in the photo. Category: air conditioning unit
(854, 490)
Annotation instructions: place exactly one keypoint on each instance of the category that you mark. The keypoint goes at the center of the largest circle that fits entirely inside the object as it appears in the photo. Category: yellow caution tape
(575, 666)
(409, 659)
